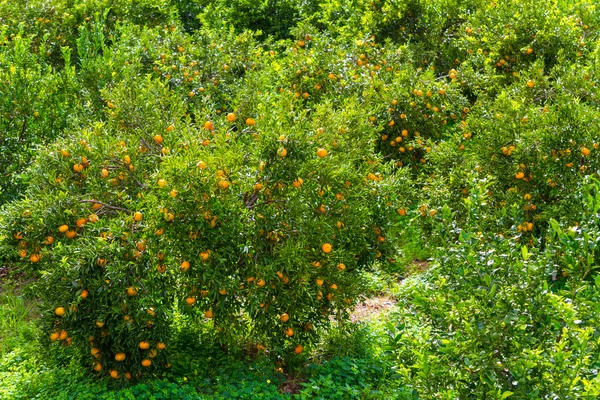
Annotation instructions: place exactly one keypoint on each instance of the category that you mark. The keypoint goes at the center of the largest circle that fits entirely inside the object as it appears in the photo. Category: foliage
(238, 174)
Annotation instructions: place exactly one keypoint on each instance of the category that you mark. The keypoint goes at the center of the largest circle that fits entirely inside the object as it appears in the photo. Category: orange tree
(258, 218)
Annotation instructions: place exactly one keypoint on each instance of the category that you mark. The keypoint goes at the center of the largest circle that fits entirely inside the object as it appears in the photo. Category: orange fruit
(34, 258)
(131, 291)
(62, 335)
(161, 268)
(185, 266)
(60, 311)
(585, 151)
(223, 184)
(97, 367)
(201, 165)
(250, 121)
(54, 336)
(289, 332)
(144, 345)
(208, 125)
(297, 182)
(208, 314)
(282, 152)
(146, 362)
(70, 234)
(161, 183)
(84, 294)
(77, 167)
(99, 324)
(63, 228)
(298, 349)
(159, 139)
(120, 356)
(402, 212)
(326, 248)
(128, 375)
(284, 317)
(261, 282)
(104, 172)
(231, 117)
(319, 281)
(519, 175)
(341, 266)
(95, 352)
(190, 300)
(160, 346)
(322, 153)
(138, 216)
(530, 84)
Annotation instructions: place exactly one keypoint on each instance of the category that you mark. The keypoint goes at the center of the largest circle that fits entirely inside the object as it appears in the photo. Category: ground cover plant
(190, 190)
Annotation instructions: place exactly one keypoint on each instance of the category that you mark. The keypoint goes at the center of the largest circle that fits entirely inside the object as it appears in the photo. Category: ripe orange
(63, 228)
(99, 324)
(208, 125)
(298, 349)
(70, 234)
(138, 216)
(585, 151)
(190, 300)
(120, 356)
(341, 266)
(319, 281)
(160, 346)
(146, 362)
(185, 266)
(231, 117)
(84, 294)
(284, 317)
(250, 121)
(152, 353)
(60, 311)
(62, 335)
(144, 345)
(530, 84)
(326, 248)
(34, 258)
(161, 183)
(209, 314)
(54, 336)
(261, 282)
(77, 167)
(289, 332)
(104, 172)
(201, 165)
(95, 352)
(402, 212)
(97, 367)
(223, 184)
(131, 291)
(519, 175)
(161, 268)
(297, 182)
(322, 153)
(128, 375)
(159, 139)
(282, 152)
